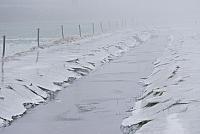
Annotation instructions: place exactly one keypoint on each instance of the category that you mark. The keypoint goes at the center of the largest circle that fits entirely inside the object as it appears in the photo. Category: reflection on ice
(2, 72)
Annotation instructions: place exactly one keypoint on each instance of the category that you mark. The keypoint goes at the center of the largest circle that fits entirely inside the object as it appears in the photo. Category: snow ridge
(170, 102)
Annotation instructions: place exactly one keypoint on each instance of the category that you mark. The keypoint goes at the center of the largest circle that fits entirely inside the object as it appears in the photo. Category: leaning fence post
(4, 46)
(80, 32)
(38, 37)
(101, 25)
(62, 31)
(93, 28)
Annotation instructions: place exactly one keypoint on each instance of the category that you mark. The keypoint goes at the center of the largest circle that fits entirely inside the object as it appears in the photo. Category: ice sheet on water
(33, 77)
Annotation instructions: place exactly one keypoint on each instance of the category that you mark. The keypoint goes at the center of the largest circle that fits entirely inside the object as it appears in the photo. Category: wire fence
(22, 37)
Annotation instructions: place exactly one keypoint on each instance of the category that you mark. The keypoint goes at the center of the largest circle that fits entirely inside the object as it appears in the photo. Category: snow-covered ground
(170, 103)
(33, 77)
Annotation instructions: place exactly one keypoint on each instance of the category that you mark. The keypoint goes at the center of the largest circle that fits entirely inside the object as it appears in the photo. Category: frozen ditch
(34, 77)
(170, 103)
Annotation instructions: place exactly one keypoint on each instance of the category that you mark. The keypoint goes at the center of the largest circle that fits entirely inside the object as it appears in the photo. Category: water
(98, 103)
(23, 36)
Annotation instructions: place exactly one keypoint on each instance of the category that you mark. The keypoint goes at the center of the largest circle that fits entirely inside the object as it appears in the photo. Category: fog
(168, 11)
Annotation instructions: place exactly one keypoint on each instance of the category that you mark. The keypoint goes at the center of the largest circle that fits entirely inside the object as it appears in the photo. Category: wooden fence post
(109, 25)
(80, 32)
(4, 46)
(38, 37)
(117, 25)
(101, 26)
(122, 23)
(93, 28)
(125, 23)
(62, 31)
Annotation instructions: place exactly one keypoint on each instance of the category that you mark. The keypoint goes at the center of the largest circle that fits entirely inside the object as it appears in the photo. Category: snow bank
(170, 103)
(33, 77)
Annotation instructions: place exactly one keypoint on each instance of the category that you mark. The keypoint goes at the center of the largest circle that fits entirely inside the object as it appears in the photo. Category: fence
(44, 34)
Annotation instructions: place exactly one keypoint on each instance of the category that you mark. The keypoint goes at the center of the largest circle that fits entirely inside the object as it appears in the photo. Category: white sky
(69, 10)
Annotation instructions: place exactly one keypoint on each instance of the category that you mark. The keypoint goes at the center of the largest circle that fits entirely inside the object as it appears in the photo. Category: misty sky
(76, 10)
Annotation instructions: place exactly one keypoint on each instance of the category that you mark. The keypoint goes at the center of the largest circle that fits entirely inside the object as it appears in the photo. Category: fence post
(93, 28)
(125, 23)
(122, 23)
(117, 25)
(101, 25)
(4, 46)
(62, 31)
(80, 32)
(109, 25)
(38, 37)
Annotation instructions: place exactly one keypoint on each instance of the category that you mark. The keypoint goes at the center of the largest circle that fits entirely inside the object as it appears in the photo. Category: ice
(33, 77)
(173, 124)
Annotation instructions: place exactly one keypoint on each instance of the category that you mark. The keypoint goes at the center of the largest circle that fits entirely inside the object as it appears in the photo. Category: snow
(170, 102)
(32, 77)
(173, 123)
